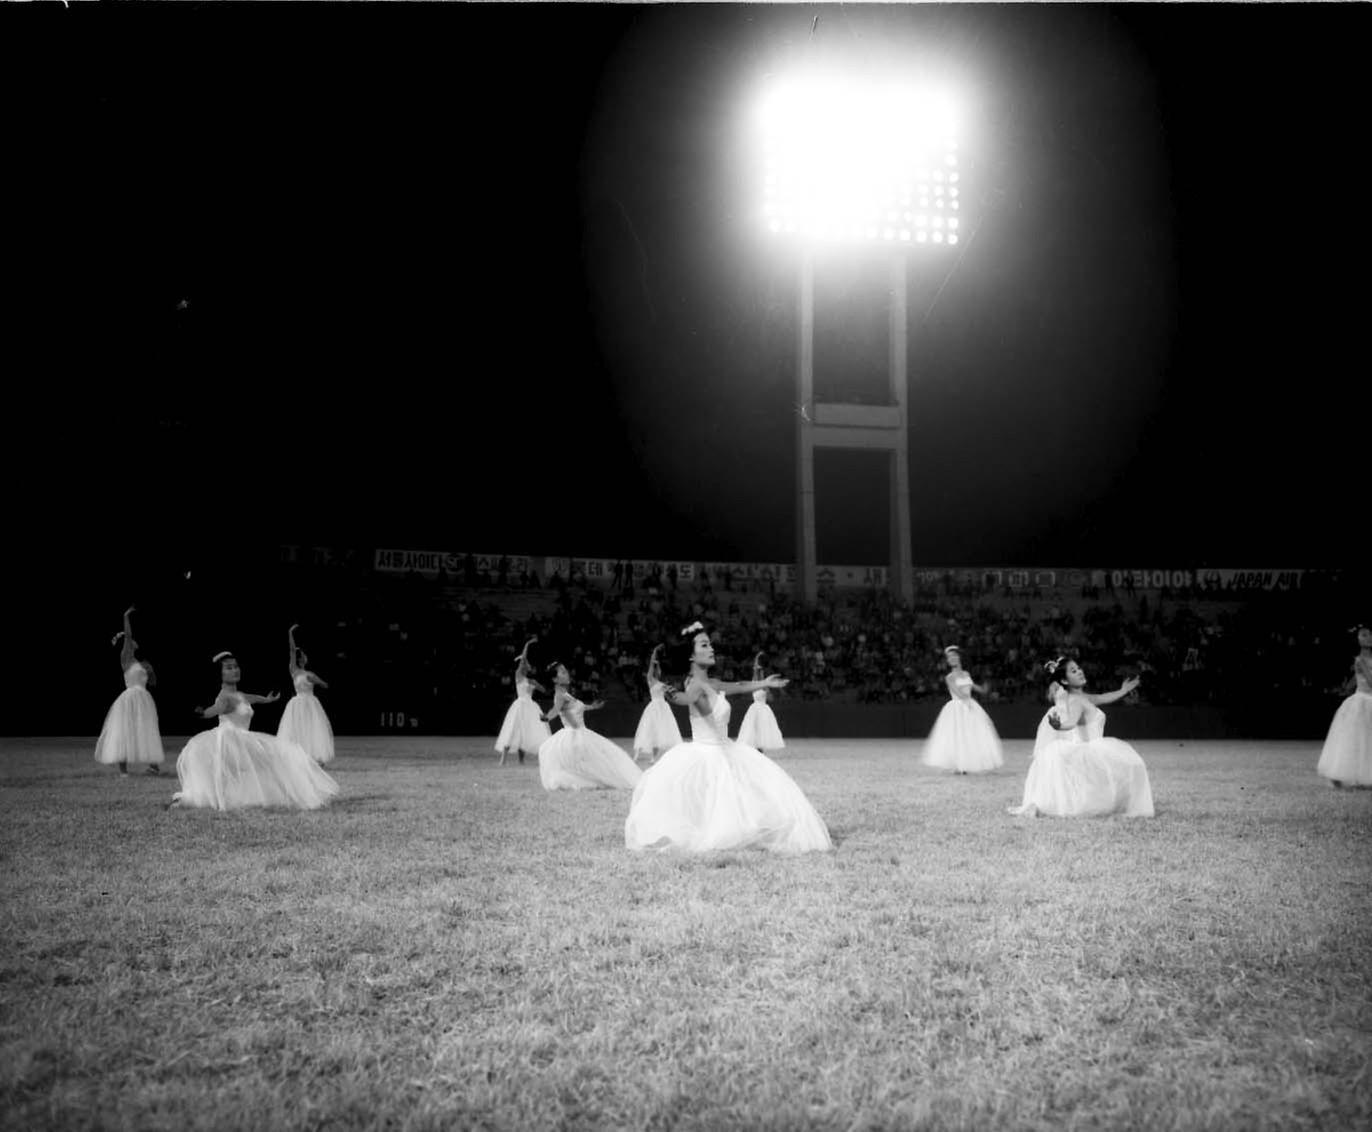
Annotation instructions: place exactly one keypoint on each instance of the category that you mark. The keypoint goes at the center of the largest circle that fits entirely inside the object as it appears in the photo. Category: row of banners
(431, 563)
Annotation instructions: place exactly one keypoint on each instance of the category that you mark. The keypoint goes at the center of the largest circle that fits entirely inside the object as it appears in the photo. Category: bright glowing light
(841, 154)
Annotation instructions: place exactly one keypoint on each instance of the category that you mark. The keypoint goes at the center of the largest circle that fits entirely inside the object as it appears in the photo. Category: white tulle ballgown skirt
(963, 738)
(524, 728)
(577, 758)
(759, 728)
(1347, 753)
(1069, 778)
(705, 796)
(231, 768)
(130, 733)
(303, 722)
(657, 729)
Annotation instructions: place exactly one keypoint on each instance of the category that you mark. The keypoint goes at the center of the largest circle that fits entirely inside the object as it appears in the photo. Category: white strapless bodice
(657, 691)
(1089, 729)
(303, 687)
(960, 681)
(1363, 677)
(241, 716)
(524, 690)
(712, 728)
(135, 676)
(572, 713)
(760, 696)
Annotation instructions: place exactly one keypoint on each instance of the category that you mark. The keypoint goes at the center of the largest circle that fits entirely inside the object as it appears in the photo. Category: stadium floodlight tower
(871, 164)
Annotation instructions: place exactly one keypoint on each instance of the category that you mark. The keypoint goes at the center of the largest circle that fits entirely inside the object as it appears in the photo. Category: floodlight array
(854, 164)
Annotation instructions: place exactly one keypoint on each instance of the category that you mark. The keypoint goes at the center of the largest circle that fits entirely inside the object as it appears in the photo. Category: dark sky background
(485, 277)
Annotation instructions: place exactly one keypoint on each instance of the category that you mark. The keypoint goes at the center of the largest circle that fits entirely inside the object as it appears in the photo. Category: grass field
(448, 947)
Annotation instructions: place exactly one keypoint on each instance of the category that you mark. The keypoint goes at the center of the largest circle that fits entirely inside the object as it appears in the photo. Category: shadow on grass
(359, 801)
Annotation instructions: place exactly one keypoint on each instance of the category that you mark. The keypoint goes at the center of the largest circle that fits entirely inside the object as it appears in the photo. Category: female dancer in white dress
(304, 721)
(577, 758)
(1346, 758)
(1082, 773)
(523, 728)
(963, 738)
(713, 792)
(231, 767)
(759, 727)
(130, 733)
(657, 728)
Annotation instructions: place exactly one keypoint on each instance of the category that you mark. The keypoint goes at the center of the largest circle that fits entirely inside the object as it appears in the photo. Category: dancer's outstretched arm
(1068, 713)
(559, 698)
(737, 687)
(222, 705)
(1118, 694)
(270, 698)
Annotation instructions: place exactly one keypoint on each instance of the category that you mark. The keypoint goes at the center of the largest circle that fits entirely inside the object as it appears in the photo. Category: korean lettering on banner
(1151, 579)
(423, 561)
(1253, 579)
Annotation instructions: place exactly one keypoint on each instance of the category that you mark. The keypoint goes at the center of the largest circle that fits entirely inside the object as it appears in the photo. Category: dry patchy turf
(447, 946)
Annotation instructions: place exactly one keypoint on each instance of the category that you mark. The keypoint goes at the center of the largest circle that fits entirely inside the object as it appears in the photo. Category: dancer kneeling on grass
(304, 720)
(759, 727)
(523, 728)
(1082, 773)
(1346, 757)
(963, 739)
(232, 768)
(130, 733)
(577, 758)
(714, 792)
(657, 729)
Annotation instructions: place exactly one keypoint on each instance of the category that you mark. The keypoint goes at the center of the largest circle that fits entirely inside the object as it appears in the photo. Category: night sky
(485, 277)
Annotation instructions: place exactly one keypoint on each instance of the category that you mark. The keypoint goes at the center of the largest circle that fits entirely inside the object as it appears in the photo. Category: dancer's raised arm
(128, 654)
